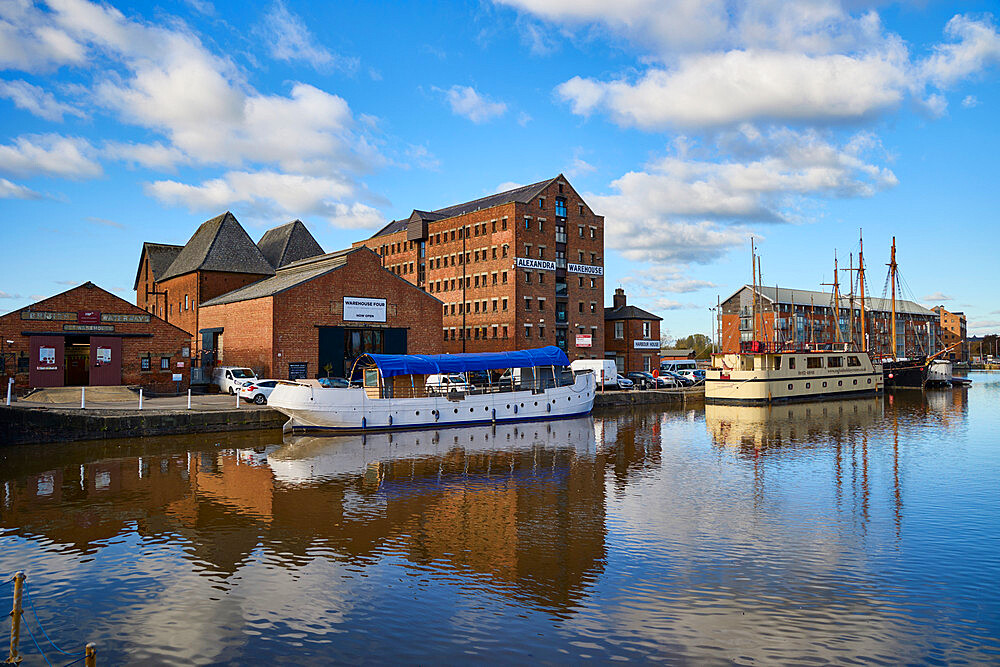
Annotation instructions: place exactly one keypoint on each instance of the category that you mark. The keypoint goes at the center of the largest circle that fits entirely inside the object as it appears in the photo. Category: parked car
(667, 381)
(678, 378)
(697, 375)
(334, 383)
(623, 382)
(257, 391)
(642, 379)
(230, 378)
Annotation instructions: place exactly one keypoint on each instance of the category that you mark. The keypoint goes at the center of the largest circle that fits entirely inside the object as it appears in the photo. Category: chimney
(619, 298)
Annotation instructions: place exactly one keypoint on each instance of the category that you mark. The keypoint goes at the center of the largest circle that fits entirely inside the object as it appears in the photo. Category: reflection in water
(763, 534)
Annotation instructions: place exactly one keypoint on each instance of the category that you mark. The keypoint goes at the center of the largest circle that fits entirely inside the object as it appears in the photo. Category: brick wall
(257, 331)
(166, 341)
(635, 360)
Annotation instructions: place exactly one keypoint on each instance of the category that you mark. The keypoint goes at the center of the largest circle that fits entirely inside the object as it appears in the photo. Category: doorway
(77, 357)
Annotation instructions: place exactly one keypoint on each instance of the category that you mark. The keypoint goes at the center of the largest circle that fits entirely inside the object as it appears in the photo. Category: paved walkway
(210, 403)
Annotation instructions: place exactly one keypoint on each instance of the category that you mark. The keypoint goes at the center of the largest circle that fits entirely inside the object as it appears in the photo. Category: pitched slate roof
(160, 256)
(802, 297)
(287, 277)
(288, 243)
(523, 195)
(220, 244)
(629, 313)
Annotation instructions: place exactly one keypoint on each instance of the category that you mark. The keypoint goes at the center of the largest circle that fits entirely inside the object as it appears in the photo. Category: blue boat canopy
(429, 364)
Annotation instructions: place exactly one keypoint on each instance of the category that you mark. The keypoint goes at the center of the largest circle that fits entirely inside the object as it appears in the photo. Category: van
(605, 368)
(228, 378)
(678, 365)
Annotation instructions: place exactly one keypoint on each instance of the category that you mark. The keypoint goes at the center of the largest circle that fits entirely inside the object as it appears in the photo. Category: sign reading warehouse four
(360, 309)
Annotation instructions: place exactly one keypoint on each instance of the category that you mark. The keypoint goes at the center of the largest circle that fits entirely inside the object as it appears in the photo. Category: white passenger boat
(939, 373)
(409, 391)
(763, 373)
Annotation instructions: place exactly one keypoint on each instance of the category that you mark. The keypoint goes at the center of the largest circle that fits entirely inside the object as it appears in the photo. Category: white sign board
(528, 263)
(177, 377)
(585, 268)
(646, 344)
(360, 309)
(584, 340)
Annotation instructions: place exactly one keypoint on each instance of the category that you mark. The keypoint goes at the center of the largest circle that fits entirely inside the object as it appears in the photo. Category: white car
(230, 378)
(623, 382)
(257, 391)
(444, 384)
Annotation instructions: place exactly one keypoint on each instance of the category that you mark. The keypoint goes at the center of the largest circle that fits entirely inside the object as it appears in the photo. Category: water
(862, 530)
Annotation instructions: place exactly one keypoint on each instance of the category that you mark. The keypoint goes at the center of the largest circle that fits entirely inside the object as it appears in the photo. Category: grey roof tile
(288, 243)
(629, 313)
(160, 255)
(220, 244)
(801, 297)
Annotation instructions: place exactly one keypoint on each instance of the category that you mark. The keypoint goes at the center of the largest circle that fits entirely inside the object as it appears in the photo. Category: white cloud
(937, 297)
(290, 40)
(465, 101)
(970, 101)
(719, 89)
(505, 186)
(984, 326)
(49, 155)
(936, 105)
(977, 46)
(579, 167)
(271, 194)
(155, 155)
(105, 222)
(523, 118)
(5, 295)
(37, 101)
(29, 41)
(423, 158)
(10, 190)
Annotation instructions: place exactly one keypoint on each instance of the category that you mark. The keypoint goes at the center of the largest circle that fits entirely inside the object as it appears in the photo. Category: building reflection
(521, 505)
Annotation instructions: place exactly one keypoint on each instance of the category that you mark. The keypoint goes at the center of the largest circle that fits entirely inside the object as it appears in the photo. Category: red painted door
(105, 361)
(47, 365)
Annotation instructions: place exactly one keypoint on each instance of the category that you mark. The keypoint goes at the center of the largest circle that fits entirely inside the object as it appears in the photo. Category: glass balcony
(560, 316)
(560, 237)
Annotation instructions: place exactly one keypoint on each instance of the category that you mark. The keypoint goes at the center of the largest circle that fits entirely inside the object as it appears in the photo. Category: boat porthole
(471, 409)
(790, 387)
(855, 382)
(536, 404)
(417, 412)
(508, 405)
(840, 383)
(568, 398)
(486, 407)
(869, 380)
(522, 405)
(808, 384)
(456, 411)
(824, 384)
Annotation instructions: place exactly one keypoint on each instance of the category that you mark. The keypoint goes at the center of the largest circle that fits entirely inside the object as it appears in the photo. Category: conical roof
(288, 243)
(220, 244)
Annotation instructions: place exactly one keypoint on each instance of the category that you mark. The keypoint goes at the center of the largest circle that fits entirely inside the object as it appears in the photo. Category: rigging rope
(41, 627)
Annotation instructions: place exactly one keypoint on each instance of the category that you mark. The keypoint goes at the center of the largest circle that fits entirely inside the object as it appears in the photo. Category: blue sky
(690, 125)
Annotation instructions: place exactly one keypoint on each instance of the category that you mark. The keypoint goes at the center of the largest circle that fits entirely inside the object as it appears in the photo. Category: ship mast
(836, 300)
(861, 289)
(753, 270)
(892, 279)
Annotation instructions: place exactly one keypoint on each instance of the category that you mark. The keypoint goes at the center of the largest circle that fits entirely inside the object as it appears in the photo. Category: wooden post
(91, 655)
(15, 620)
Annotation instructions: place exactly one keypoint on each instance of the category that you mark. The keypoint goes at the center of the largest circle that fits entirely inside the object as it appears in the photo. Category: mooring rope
(42, 628)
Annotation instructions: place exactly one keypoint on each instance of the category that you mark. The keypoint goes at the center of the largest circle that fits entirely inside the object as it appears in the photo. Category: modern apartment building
(518, 269)
(953, 333)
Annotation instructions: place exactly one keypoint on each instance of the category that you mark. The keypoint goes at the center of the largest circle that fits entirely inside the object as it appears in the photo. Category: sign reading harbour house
(585, 268)
(359, 309)
(646, 344)
(528, 263)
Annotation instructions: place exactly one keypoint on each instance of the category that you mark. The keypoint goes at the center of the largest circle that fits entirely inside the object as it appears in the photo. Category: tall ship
(398, 391)
(765, 371)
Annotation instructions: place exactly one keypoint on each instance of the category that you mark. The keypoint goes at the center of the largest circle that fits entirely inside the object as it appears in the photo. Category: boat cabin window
(814, 362)
(371, 377)
(853, 362)
(791, 363)
(748, 363)
(834, 362)
(777, 363)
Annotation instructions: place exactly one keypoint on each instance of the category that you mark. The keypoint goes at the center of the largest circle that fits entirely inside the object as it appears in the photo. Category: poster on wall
(47, 356)
(298, 370)
(359, 309)
(103, 355)
(584, 340)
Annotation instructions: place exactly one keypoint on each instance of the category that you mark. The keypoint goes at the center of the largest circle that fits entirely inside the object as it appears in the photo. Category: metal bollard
(10, 387)
(83, 398)
(140, 398)
(15, 615)
(189, 399)
(91, 655)
(237, 397)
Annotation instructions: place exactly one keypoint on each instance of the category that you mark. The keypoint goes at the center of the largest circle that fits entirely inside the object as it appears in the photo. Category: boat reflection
(759, 428)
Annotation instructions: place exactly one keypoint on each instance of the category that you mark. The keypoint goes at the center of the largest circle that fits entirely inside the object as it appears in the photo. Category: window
(503, 226)
(541, 278)
(477, 331)
(560, 207)
(187, 304)
(144, 363)
(541, 225)
(475, 232)
(504, 278)
(580, 256)
(505, 326)
(446, 334)
(580, 229)
(541, 252)
(541, 303)
(505, 309)
(777, 363)
(164, 363)
(494, 274)
(541, 331)
(814, 362)
(527, 277)
(560, 188)
(593, 307)
(581, 281)
(791, 363)
(853, 362)
(495, 302)
(527, 223)
(527, 331)
(593, 283)
(581, 209)
(593, 232)
(477, 281)
(593, 258)
(477, 310)
(541, 203)
(527, 250)
(645, 329)
(494, 223)
(581, 306)
(504, 249)
(527, 303)
(834, 362)
(452, 309)
(495, 331)
(494, 252)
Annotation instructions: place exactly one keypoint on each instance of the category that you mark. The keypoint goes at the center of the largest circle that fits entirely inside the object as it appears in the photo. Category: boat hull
(909, 373)
(939, 373)
(315, 409)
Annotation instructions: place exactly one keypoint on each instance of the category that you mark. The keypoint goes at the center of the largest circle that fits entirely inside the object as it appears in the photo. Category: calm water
(862, 530)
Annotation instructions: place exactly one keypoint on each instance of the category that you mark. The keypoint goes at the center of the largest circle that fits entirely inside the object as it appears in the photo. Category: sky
(691, 125)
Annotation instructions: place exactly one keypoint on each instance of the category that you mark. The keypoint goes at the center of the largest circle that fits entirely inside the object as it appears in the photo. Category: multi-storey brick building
(314, 317)
(519, 269)
(631, 336)
(953, 333)
(804, 318)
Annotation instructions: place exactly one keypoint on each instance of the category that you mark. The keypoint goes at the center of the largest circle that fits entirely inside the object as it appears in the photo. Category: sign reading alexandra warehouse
(586, 268)
(646, 344)
(358, 309)
(528, 263)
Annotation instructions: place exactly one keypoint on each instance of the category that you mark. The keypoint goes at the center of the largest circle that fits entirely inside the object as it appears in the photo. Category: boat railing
(416, 386)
